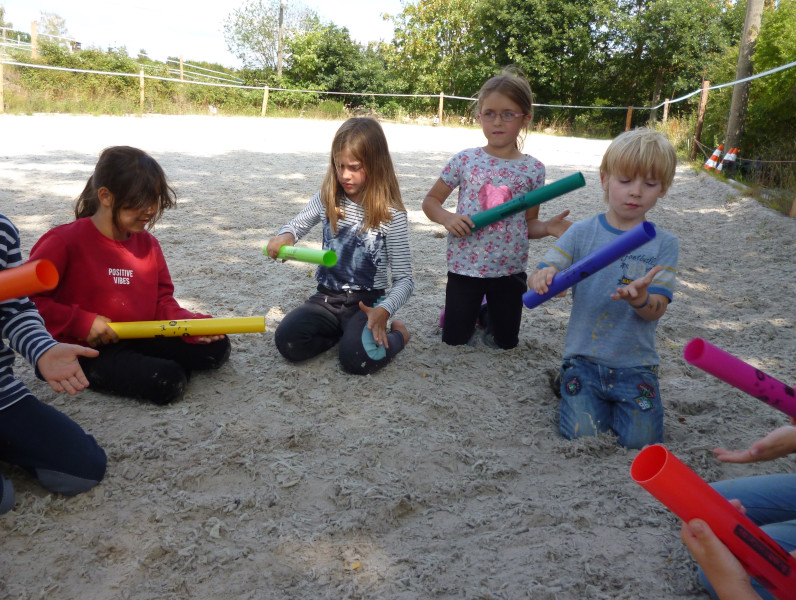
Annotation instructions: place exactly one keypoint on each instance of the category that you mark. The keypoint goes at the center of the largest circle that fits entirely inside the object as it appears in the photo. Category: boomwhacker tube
(188, 327)
(526, 201)
(30, 278)
(740, 374)
(588, 265)
(327, 258)
(689, 496)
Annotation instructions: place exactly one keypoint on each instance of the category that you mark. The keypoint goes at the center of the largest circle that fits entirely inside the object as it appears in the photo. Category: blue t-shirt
(606, 331)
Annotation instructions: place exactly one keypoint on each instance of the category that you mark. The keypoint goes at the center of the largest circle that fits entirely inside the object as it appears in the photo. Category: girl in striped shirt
(365, 223)
(34, 435)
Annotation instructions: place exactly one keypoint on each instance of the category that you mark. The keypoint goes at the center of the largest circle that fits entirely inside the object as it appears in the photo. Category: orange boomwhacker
(30, 278)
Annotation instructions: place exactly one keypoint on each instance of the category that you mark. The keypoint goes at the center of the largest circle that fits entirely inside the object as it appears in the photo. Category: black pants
(329, 317)
(50, 446)
(153, 369)
(463, 295)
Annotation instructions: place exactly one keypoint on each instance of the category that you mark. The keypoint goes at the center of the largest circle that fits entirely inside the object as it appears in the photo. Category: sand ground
(442, 476)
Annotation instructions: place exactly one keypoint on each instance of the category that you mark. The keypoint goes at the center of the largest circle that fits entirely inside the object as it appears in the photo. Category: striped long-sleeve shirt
(365, 260)
(20, 323)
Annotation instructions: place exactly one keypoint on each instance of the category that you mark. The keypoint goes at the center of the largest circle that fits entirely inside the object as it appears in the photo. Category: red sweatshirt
(123, 280)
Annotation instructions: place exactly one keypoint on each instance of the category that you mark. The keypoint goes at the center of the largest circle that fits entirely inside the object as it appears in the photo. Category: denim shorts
(625, 401)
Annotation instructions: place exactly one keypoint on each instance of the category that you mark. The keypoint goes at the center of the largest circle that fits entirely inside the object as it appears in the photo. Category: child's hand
(635, 292)
(377, 323)
(778, 443)
(541, 279)
(101, 333)
(458, 225)
(725, 572)
(558, 224)
(60, 368)
(275, 243)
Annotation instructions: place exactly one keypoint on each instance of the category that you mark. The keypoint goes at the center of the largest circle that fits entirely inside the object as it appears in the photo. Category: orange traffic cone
(729, 158)
(713, 161)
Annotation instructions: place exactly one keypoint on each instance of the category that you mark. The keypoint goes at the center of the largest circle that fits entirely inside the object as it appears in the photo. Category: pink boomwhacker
(740, 374)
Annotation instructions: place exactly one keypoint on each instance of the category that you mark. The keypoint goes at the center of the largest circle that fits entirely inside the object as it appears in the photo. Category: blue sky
(191, 28)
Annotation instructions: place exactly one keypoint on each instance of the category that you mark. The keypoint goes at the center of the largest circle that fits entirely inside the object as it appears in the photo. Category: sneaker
(6, 495)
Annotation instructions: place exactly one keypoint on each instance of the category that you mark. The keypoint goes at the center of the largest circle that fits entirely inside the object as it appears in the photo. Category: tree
(665, 45)
(555, 42)
(771, 117)
(3, 23)
(325, 58)
(53, 26)
(437, 47)
(252, 31)
(740, 92)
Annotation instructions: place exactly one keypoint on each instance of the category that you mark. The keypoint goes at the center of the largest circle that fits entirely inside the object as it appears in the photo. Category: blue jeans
(625, 401)
(770, 502)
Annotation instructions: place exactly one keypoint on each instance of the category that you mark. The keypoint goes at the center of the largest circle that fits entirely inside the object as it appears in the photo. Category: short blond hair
(641, 151)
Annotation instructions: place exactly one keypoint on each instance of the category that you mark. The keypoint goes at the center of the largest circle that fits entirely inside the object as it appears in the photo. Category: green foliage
(773, 98)
(553, 42)
(609, 53)
(438, 46)
(252, 31)
(771, 111)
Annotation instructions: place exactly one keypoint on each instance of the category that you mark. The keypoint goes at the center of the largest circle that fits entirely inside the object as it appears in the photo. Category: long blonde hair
(364, 138)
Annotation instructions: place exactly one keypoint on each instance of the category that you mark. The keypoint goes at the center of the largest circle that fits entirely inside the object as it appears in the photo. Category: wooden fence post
(34, 40)
(703, 102)
(2, 94)
(628, 118)
(181, 75)
(665, 111)
(265, 101)
(141, 79)
(439, 111)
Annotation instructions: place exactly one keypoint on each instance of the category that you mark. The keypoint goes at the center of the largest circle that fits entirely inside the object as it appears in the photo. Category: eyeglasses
(506, 116)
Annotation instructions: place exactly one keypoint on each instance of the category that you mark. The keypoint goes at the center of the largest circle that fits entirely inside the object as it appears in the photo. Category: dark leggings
(153, 369)
(463, 295)
(329, 317)
(50, 446)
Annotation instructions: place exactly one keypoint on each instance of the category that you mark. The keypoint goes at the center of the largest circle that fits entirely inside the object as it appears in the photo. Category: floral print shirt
(486, 181)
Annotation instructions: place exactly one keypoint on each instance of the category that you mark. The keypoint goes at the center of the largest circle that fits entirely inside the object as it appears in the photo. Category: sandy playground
(442, 476)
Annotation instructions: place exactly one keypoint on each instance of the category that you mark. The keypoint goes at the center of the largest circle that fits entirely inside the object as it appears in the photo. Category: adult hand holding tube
(327, 258)
(689, 496)
(740, 374)
(32, 277)
(188, 327)
(588, 265)
(526, 201)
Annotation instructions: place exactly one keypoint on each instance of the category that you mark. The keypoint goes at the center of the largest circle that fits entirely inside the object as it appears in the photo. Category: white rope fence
(441, 95)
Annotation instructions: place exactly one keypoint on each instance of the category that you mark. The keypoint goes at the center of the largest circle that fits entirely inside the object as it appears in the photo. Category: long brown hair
(364, 138)
(134, 178)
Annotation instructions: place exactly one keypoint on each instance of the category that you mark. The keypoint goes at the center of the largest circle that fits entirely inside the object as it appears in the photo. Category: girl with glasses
(490, 263)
